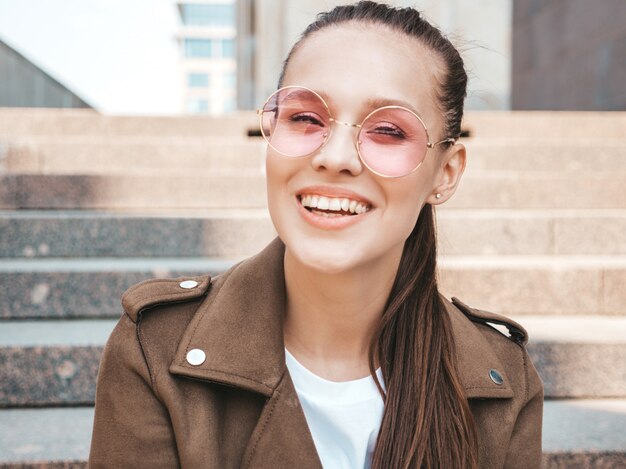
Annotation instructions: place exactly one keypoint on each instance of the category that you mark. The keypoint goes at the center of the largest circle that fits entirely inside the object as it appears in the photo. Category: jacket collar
(239, 327)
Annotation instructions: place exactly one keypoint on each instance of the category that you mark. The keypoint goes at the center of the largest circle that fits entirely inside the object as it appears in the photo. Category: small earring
(437, 195)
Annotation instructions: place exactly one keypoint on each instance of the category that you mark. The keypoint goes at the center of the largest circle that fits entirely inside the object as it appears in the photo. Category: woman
(332, 347)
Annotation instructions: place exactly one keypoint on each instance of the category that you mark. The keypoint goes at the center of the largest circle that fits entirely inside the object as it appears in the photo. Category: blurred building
(569, 55)
(24, 84)
(207, 40)
(481, 29)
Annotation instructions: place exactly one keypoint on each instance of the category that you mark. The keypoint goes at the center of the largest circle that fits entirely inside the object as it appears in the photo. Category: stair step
(552, 125)
(220, 233)
(185, 156)
(123, 191)
(572, 155)
(114, 155)
(527, 125)
(581, 434)
(36, 123)
(243, 232)
(86, 288)
(540, 285)
(488, 190)
(45, 363)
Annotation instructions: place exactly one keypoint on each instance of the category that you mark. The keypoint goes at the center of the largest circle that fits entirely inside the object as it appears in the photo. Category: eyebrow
(375, 103)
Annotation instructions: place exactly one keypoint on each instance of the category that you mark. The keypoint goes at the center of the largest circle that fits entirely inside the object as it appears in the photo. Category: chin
(328, 256)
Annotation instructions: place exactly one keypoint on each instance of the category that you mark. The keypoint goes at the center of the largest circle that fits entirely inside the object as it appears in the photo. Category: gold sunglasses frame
(429, 145)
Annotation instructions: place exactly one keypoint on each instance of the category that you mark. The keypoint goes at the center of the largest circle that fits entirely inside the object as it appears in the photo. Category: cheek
(280, 172)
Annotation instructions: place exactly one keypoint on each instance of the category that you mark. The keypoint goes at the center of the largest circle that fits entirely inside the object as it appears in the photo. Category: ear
(449, 174)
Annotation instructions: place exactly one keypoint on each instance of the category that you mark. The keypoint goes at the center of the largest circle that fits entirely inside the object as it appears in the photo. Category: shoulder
(514, 331)
(492, 348)
(153, 293)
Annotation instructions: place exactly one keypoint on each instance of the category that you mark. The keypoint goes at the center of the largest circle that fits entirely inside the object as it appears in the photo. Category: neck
(331, 318)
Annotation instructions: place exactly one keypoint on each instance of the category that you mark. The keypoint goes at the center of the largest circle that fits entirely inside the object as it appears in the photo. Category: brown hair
(427, 422)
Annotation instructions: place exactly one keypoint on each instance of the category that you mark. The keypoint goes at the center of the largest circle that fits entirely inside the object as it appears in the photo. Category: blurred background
(201, 57)
(129, 149)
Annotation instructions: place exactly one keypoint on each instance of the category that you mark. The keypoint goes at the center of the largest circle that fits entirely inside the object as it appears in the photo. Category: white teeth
(335, 204)
(323, 203)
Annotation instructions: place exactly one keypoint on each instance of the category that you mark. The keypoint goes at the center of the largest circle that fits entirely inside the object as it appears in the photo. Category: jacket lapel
(475, 358)
(240, 329)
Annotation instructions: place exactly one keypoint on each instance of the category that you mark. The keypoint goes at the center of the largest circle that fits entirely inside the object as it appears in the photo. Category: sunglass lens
(295, 121)
(393, 141)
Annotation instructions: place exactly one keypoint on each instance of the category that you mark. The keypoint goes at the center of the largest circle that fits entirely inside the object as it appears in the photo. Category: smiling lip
(334, 223)
(335, 192)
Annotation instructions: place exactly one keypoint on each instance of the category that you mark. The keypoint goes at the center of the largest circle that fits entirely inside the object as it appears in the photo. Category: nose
(339, 154)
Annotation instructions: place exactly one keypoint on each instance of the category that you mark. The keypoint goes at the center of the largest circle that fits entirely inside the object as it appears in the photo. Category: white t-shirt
(343, 417)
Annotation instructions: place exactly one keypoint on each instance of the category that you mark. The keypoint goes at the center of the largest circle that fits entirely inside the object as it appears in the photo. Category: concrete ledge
(43, 376)
(38, 122)
(59, 288)
(243, 232)
(55, 362)
(539, 190)
(571, 437)
(79, 234)
(171, 154)
(158, 156)
(544, 124)
(507, 284)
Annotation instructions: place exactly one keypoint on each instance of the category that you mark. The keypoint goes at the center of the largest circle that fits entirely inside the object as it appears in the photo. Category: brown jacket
(239, 408)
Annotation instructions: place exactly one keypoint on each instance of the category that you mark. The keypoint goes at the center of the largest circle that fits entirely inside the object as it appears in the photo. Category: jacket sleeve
(132, 428)
(524, 450)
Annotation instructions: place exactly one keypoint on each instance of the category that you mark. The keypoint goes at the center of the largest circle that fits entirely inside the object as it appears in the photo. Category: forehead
(364, 63)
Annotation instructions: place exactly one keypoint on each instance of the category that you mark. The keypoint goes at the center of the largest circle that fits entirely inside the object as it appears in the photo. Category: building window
(228, 48)
(198, 47)
(198, 106)
(230, 104)
(229, 80)
(213, 48)
(198, 80)
(222, 15)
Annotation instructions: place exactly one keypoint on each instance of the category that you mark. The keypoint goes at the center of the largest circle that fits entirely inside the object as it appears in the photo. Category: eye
(386, 129)
(309, 118)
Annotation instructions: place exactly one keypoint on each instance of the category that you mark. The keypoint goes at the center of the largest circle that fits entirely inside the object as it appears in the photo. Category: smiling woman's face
(353, 65)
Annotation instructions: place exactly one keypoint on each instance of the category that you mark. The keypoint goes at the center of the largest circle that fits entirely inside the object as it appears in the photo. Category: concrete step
(123, 191)
(32, 123)
(50, 363)
(86, 288)
(538, 285)
(583, 434)
(535, 285)
(213, 233)
(242, 232)
(110, 155)
(572, 155)
(45, 363)
(529, 125)
(151, 155)
(490, 189)
(537, 125)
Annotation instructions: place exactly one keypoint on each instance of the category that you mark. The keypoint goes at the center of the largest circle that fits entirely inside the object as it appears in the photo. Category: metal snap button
(496, 377)
(188, 284)
(196, 357)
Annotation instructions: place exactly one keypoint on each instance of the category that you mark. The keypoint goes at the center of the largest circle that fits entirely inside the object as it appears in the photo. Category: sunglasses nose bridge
(346, 124)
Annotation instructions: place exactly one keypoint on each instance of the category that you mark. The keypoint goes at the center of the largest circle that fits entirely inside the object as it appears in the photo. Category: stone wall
(23, 84)
(569, 55)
